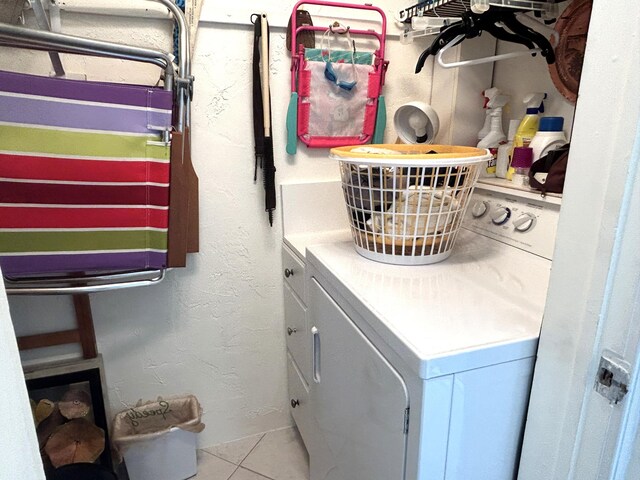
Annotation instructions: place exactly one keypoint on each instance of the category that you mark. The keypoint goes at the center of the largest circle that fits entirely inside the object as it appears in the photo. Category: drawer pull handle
(288, 272)
(316, 354)
(294, 403)
(291, 331)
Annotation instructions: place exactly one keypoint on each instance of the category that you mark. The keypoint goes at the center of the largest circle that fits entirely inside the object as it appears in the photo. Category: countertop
(481, 306)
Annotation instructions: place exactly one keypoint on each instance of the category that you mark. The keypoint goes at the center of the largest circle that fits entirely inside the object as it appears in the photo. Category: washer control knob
(524, 222)
(500, 216)
(479, 209)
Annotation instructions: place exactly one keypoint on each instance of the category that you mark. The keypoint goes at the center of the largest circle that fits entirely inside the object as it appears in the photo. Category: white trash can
(158, 439)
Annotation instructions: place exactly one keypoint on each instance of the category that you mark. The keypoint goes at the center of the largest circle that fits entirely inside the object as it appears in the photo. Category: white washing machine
(424, 372)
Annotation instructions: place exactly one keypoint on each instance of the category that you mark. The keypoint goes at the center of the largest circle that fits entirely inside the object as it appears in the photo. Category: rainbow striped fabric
(84, 176)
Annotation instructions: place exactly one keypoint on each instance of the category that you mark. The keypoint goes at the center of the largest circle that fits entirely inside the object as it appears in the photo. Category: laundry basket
(406, 202)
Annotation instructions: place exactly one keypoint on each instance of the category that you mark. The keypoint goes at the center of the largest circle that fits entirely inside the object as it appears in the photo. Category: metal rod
(28, 38)
(184, 64)
(43, 23)
(45, 46)
(38, 281)
(85, 289)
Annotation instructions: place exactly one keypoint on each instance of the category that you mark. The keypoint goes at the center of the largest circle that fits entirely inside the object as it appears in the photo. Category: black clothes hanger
(446, 35)
(512, 23)
(472, 25)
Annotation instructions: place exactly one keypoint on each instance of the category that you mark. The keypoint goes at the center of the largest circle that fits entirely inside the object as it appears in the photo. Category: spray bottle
(496, 135)
(506, 150)
(529, 124)
(489, 94)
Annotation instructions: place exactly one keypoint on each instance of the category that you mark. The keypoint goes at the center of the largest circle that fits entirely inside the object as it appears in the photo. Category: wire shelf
(455, 8)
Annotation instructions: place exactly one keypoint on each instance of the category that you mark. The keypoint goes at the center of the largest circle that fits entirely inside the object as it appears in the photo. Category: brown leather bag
(554, 164)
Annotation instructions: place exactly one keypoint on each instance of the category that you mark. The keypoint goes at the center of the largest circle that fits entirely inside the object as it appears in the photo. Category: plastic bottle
(488, 94)
(529, 124)
(504, 151)
(496, 136)
(549, 137)
(521, 163)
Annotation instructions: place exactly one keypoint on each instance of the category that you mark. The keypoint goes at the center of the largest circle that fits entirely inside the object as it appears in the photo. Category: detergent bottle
(549, 136)
(496, 136)
(529, 124)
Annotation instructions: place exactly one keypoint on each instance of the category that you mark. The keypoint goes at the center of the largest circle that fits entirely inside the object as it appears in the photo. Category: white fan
(416, 122)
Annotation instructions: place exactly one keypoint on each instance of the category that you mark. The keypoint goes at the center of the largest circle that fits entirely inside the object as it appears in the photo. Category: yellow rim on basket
(412, 155)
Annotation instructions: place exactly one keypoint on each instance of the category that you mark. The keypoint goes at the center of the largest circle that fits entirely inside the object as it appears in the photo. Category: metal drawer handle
(288, 272)
(316, 354)
(294, 403)
(291, 331)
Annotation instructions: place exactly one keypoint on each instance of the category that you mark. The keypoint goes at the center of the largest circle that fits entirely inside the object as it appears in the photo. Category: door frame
(588, 283)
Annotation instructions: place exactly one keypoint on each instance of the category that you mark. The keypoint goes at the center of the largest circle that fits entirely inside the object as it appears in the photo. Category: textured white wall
(215, 328)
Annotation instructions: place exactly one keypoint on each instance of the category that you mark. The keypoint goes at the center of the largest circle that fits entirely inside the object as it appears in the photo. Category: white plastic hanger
(478, 61)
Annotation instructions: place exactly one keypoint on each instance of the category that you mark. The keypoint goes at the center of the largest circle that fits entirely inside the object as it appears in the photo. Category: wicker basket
(406, 202)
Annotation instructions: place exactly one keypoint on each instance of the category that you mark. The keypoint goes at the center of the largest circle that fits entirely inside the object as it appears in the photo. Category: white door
(357, 398)
(593, 305)
(20, 455)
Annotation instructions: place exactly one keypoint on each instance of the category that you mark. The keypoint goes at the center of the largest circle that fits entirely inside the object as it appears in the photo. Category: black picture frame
(92, 376)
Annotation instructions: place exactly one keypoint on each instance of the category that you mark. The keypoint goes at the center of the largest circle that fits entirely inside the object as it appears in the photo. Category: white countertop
(313, 213)
(481, 306)
(299, 243)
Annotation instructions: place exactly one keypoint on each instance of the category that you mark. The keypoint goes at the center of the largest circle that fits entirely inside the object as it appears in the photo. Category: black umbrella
(262, 112)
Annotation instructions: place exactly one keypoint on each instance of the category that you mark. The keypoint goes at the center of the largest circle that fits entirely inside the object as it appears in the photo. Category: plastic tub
(406, 202)
(171, 456)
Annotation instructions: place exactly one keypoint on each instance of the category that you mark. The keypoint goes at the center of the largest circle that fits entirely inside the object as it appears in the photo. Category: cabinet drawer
(299, 401)
(296, 332)
(293, 272)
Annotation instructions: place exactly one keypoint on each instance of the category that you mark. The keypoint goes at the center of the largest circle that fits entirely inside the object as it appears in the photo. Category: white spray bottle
(489, 94)
(496, 136)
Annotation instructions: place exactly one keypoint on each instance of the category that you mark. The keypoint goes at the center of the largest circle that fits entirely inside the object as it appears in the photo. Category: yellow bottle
(529, 125)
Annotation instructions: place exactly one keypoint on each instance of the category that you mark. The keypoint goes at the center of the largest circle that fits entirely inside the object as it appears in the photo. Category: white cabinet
(297, 332)
(298, 344)
(293, 271)
(359, 401)
(313, 213)
(299, 399)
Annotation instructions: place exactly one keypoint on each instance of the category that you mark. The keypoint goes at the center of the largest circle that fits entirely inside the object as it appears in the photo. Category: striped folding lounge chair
(84, 176)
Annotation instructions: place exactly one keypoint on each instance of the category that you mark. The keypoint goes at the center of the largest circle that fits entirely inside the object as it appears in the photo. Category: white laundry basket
(406, 202)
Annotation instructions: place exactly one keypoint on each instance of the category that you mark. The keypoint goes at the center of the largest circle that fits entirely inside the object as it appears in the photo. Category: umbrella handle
(292, 124)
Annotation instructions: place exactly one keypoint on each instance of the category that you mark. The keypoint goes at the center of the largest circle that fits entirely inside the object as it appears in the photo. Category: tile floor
(275, 455)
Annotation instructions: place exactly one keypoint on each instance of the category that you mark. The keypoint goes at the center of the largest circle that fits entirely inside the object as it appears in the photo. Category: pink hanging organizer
(336, 95)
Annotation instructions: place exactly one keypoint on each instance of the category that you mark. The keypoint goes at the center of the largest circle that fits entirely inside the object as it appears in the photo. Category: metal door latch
(612, 379)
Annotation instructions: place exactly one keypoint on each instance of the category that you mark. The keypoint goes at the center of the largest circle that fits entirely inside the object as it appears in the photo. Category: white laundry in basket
(418, 211)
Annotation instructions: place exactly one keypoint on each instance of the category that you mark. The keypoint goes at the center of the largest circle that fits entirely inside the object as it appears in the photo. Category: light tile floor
(275, 455)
